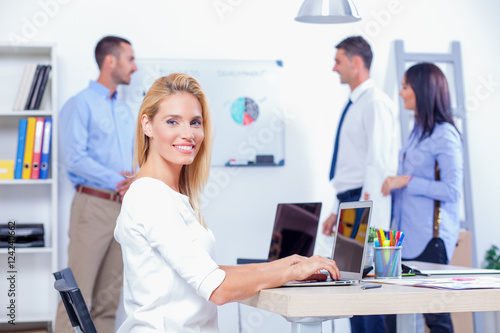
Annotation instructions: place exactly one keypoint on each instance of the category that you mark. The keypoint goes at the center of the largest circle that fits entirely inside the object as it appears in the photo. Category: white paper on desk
(401, 282)
(446, 271)
(483, 282)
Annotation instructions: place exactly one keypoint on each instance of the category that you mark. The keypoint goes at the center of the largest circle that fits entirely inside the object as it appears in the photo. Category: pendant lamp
(328, 12)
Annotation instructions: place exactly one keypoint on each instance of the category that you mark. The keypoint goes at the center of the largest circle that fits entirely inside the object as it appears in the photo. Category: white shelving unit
(28, 201)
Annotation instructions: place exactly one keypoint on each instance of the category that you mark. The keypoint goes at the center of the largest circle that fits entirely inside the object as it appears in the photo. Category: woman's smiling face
(176, 132)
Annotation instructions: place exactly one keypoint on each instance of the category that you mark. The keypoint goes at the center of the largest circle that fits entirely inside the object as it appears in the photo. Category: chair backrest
(73, 301)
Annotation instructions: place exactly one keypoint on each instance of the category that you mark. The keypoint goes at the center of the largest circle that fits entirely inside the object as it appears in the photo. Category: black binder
(22, 235)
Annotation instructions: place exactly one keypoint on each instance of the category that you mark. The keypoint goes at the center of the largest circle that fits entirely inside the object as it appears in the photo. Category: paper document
(460, 283)
(456, 283)
(459, 271)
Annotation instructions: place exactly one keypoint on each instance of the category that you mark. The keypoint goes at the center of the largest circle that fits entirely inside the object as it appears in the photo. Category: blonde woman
(171, 281)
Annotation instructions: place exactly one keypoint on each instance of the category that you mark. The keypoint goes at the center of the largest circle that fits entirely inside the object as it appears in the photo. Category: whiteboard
(244, 98)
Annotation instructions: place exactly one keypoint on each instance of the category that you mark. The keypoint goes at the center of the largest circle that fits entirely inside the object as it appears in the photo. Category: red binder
(37, 148)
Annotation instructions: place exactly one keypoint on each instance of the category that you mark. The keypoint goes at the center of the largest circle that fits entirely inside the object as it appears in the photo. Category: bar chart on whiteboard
(244, 98)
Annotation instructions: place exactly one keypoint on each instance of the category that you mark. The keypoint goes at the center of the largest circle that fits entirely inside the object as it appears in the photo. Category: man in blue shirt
(97, 135)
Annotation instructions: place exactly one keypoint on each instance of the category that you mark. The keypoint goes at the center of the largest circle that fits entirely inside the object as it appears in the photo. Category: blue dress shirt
(97, 137)
(413, 206)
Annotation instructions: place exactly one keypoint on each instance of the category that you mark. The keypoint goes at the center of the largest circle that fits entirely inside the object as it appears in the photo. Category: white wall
(241, 208)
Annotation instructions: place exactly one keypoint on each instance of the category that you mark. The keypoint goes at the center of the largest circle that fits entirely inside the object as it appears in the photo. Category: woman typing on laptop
(171, 282)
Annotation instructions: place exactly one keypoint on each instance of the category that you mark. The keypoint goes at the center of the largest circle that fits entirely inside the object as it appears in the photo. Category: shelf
(26, 318)
(253, 164)
(31, 49)
(28, 250)
(27, 113)
(26, 181)
(29, 200)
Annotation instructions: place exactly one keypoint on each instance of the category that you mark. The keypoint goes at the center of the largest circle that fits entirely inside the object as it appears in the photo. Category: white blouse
(169, 267)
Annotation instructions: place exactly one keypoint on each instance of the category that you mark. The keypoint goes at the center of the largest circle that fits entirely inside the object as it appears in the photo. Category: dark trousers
(437, 322)
(362, 324)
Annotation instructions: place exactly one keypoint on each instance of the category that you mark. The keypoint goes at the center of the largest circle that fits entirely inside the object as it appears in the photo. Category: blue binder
(21, 140)
(45, 158)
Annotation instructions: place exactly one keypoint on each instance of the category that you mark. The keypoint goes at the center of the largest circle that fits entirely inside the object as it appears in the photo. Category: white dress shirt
(368, 148)
(169, 271)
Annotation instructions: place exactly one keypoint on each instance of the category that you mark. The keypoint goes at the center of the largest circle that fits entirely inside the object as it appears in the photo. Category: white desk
(307, 307)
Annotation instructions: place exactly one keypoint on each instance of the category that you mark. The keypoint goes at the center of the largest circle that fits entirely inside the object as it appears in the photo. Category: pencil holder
(388, 262)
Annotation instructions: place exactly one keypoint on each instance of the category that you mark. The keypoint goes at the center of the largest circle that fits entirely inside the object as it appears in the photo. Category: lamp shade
(328, 11)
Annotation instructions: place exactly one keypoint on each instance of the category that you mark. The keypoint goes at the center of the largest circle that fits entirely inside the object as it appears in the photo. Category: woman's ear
(147, 126)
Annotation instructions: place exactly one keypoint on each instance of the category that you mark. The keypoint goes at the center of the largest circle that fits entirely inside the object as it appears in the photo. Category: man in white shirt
(365, 151)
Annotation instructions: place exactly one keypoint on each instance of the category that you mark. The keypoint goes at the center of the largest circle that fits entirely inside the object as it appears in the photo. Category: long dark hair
(432, 96)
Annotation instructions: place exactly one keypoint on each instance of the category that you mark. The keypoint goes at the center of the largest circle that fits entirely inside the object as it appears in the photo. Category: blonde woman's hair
(194, 176)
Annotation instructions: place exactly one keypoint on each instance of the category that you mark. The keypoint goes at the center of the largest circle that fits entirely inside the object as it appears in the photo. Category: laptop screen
(351, 236)
(295, 228)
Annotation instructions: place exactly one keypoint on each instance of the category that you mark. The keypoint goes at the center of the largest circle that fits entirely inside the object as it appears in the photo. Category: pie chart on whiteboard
(244, 111)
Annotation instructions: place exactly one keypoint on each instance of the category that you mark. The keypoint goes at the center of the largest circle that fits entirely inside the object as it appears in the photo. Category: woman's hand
(244, 281)
(309, 269)
(287, 261)
(391, 183)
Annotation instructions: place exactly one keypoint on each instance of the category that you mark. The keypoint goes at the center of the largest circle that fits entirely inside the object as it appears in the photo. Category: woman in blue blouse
(427, 190)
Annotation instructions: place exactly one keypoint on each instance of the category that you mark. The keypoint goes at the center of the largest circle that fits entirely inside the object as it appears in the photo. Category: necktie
(336, 148)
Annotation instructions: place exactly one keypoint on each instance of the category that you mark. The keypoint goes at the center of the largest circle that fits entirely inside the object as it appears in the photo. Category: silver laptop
(350, 243)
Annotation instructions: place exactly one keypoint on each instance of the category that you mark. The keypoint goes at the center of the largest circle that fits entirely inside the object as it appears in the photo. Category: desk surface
(326, 301)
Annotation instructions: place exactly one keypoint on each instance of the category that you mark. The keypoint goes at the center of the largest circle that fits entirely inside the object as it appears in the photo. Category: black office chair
(73, 301)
